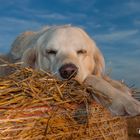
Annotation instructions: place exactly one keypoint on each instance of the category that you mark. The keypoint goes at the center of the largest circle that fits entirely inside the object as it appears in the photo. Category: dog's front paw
(121, 104)
(124, 105)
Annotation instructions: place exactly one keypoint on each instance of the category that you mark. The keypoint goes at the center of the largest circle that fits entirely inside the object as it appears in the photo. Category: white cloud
(137, 22)
(79, 1)
(126, 68)
(52, 16)
(115, 35)
(125, 8)
(60, 16)
(133, 6)
(15, 3)
(16, 21)
(14, 25)
(55, 16)
(93, 24)
(11, 27)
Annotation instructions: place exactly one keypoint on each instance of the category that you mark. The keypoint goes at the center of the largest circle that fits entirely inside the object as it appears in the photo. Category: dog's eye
(51, 52)
(81, 51)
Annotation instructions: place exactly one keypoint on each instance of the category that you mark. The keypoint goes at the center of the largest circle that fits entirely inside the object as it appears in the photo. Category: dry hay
(133, 123)
(37, 106)
(134, 126)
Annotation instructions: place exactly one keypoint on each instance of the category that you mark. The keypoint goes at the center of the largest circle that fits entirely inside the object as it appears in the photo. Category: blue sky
(113, 24)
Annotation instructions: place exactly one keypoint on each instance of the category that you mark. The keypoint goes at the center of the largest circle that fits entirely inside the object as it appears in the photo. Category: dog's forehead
(69, 36)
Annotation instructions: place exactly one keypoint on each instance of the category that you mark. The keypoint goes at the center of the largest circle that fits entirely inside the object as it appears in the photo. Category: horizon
(114, 25)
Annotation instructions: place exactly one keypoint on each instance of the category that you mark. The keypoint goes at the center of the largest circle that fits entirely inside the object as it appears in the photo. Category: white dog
(67, 52)
(63, 50)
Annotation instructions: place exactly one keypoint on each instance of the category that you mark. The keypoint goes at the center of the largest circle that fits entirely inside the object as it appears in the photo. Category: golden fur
(31, 48)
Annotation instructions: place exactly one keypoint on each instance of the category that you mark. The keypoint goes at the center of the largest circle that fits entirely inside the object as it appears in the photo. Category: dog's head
(67, 52)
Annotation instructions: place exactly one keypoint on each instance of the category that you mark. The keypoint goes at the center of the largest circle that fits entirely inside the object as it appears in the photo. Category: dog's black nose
(68, 71)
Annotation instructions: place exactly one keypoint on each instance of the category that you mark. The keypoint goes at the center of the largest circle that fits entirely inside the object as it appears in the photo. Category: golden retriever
(67, 52)
(63, 50)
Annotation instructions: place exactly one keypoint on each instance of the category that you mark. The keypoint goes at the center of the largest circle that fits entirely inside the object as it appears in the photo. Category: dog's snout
(68, 71)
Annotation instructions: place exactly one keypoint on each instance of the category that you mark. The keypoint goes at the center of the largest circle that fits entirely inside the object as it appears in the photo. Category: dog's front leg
(121, 103)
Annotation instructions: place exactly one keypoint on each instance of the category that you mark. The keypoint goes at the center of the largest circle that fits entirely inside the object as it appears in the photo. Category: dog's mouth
(68, 71)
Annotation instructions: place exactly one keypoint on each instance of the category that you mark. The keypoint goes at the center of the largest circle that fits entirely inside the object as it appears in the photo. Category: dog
(68, 52)
(63, 50)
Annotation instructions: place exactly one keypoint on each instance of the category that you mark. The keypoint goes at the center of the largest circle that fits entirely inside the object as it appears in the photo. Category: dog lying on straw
(68, 52)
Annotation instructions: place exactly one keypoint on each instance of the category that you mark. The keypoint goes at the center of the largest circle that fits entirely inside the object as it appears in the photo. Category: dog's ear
(29, 58)
(97, 56)
(21, 43)
(99, 63)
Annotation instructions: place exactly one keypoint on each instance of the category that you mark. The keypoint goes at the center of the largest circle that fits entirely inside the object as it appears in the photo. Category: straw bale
(37, 106)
